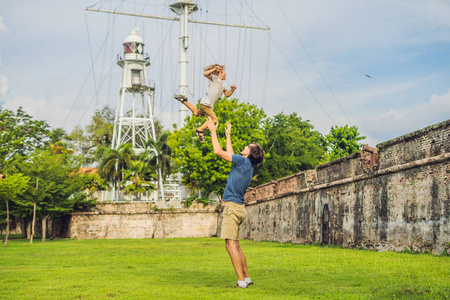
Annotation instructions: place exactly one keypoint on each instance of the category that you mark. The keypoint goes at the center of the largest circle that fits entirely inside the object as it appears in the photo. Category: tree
(94, 182)
(343, 141)
(114, 162)
(20, 134)
(56, 135)
(158, 156)
(55, 186)
(292, 146)
(136, 179)
(92, 140)
(200, 167)
(101, 127)
(39, 188)
(10, 187)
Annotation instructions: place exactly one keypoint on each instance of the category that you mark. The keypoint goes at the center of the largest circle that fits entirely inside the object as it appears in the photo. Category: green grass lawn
(201, 269)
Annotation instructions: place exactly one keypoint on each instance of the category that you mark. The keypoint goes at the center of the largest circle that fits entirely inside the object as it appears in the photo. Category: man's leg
(235, 255)
(243, 261)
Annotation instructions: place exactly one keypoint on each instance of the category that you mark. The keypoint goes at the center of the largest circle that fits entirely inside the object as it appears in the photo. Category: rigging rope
(111, 55)
(250, 60)
(90, 52)
(239, 44)
(226, 27)
(93, 98)
(267, 74)
(93, 64)
(312, 61)
(301, 79)
(87, 77)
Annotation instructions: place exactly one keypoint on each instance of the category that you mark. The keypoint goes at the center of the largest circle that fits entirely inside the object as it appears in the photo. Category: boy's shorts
(233, 216)
(206, 111)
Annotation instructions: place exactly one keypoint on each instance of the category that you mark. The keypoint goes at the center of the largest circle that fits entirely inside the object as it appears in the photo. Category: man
(234, 208)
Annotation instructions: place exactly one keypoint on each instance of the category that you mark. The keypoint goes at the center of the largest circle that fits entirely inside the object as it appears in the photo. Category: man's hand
(228, 129)
(233, 87)
(211, 126)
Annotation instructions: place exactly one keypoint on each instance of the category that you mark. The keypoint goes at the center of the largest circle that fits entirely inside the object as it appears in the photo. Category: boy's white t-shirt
(214, 91)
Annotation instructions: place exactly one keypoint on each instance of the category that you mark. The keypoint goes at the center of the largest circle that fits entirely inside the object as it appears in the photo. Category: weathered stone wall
(396, 197)
(428, 142)
(140, 220)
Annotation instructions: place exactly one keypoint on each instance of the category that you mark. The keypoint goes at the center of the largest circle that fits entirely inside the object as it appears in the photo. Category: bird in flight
(368, 76)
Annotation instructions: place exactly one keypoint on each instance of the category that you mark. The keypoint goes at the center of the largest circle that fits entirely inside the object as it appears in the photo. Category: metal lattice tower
(134, 115)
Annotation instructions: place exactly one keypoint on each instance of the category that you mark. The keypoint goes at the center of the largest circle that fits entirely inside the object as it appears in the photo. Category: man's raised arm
(228, 136)
(215, 142)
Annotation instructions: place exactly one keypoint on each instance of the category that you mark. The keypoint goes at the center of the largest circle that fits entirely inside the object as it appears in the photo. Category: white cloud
(4, 85)
(55, 109)
(436, 12)
(2, 25)
(362, 25)
(396, 122)
(381, 93)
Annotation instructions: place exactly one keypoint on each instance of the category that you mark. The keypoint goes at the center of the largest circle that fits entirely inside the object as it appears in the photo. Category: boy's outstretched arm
(230, 92)
(215, 142)
(228, 136)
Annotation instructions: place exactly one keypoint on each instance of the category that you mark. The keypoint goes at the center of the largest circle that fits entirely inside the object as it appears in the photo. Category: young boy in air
(216, 75)
(234, 212)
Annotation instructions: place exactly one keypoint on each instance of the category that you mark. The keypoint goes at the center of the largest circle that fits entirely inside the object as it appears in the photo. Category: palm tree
(157, 154)
(136, 179)
(114, 163)
(96, 183)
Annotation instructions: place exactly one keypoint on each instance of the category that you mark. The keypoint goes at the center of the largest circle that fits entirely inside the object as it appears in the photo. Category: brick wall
(428, 142)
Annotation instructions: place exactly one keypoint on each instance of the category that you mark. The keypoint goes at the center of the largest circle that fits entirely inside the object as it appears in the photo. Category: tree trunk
(33, 223)
(50, 228)
(44, 228)
(28, 230)
(34, 213)
(7, 222)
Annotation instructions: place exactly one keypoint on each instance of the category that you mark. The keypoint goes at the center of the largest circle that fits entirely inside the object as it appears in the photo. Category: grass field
(201, 269)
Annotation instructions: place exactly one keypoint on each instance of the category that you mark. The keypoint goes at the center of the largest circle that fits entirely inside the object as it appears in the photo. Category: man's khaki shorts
(233, 216)
(206, 111)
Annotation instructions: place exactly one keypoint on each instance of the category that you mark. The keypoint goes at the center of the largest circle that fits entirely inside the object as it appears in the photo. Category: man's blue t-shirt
(238, 179)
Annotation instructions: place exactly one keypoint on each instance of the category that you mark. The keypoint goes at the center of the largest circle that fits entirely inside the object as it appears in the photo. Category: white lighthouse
(134, 114)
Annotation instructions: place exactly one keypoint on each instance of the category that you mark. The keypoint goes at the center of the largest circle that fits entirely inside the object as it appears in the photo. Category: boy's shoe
(250, 283)
(200, 135)
(180, 98)
(238, 286)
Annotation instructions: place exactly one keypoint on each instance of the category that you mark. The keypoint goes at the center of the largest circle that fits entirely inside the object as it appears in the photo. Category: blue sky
(48, 48)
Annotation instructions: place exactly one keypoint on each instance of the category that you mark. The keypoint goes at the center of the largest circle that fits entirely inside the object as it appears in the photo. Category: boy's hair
(210, 67)
(256, 155)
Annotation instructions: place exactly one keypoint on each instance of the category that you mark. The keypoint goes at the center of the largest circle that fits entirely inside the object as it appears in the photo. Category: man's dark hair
(256, 155)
